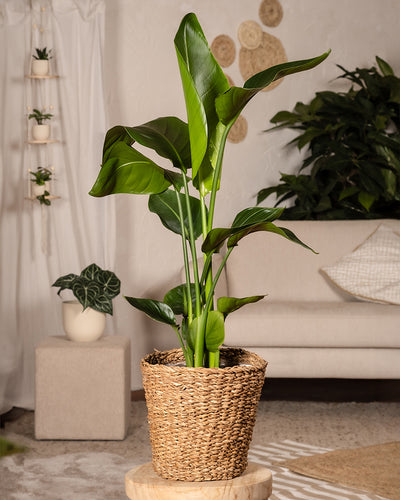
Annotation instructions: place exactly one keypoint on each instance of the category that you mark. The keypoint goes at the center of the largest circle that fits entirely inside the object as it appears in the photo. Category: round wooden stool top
(142, 483)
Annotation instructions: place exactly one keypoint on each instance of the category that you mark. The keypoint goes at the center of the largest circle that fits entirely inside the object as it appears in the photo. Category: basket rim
(258, 363)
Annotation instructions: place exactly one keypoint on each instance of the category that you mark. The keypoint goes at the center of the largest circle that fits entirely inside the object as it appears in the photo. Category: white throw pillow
(372, 270)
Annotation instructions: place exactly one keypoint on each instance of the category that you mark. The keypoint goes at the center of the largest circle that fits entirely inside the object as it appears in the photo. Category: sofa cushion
(314, 324)
(372, 271)
(267, 263)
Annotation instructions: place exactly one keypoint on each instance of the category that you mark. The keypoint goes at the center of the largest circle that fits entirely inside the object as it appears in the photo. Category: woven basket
(201, 419)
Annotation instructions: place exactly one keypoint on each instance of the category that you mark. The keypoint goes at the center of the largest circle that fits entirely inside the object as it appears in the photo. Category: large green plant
(196, 147)
(352, 166)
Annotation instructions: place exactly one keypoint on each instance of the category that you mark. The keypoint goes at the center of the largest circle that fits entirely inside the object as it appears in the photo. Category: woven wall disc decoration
(238, 131)
(224, 50)
(250, 34)
(270, 12)
(269, 53)
(230, 81)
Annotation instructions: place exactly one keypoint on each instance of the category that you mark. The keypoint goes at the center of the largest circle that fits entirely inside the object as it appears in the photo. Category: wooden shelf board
(41, 77)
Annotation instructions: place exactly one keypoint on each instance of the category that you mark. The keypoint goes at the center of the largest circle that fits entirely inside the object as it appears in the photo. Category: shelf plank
(41, 77)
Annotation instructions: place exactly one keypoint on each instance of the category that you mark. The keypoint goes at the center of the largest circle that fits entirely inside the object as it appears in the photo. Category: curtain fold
(40, 243)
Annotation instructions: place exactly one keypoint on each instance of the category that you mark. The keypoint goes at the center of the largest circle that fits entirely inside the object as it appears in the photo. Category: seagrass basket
(201, 419)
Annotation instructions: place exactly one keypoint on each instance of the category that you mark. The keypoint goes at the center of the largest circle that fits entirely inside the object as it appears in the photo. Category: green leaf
(114, 135)
(385, 68)
(226, 305)
(65, 282)
(215, 331)
(91, 272)
(109, 283)
(165, 205)
(168, 136)
(254, 215)
(128, 171)
(366, 200)
(268, 227)
(154, 309)
(177, 300)
(87, 291)
(203, 80)
(247, 221)
(230, 104)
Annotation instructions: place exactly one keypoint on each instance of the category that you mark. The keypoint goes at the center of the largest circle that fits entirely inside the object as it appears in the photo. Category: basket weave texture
(201, 419)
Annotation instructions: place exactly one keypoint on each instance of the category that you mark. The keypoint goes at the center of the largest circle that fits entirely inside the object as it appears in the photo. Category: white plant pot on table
(82, 325)
(40, 67)
(41, 132)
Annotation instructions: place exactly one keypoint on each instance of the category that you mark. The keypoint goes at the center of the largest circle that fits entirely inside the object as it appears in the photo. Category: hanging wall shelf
(47, 141)
(41, 77)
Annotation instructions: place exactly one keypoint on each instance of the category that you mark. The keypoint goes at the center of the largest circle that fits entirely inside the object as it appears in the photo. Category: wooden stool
(142, 483)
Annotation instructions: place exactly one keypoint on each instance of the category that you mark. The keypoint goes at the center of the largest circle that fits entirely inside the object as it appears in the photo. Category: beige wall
(142, 83)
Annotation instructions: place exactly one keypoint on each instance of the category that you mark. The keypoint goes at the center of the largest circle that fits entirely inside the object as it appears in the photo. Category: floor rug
(100, 476)
(288, 485)
(374, 468)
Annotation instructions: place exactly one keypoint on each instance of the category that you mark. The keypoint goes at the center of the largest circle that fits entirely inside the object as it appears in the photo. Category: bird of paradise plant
(195, 148)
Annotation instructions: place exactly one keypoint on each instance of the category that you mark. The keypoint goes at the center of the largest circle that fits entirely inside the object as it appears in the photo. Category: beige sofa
(308, 326)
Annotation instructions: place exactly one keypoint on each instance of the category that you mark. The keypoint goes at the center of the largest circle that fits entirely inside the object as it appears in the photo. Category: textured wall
(142, 83)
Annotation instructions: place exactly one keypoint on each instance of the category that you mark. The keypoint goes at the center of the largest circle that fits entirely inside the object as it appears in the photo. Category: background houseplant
(40, 131)
(94, 289)
(40, 63)
(41, 184)
(352, 167)
(195, 150)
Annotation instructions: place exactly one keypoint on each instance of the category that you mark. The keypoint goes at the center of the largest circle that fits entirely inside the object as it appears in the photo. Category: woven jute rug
(372, 468)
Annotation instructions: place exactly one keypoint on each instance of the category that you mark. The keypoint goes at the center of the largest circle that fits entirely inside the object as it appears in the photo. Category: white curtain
(40, 243)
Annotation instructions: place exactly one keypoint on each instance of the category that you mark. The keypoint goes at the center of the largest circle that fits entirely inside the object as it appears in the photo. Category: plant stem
(192, 243)
(188, 360)
(185, 258)
(217, 176)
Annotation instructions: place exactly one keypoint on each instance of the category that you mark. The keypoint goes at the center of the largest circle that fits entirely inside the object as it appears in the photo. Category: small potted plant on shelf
(40, 131)
(217, 385)
(40, 62)
(84, 319)
(41, 184)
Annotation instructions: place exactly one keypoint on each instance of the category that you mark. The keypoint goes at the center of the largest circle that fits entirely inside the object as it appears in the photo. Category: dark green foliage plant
(41, 175)
(184, 199)
(93, 288)
(352, 166)
(39, 116)
(42, 54)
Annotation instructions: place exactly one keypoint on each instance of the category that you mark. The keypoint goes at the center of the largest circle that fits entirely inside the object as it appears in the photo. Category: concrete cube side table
(82, 389)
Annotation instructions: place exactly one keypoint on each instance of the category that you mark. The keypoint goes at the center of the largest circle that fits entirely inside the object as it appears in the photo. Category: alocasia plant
(195, 147)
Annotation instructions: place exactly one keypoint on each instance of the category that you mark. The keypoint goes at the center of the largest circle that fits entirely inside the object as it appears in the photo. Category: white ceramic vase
(41, 132)
(38, 190)
(40, 67)
(82, 326)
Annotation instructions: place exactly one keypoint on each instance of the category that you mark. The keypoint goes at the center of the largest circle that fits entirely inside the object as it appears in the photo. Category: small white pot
(40, 67)
(41, 132)
(82, 326)
(38, 190)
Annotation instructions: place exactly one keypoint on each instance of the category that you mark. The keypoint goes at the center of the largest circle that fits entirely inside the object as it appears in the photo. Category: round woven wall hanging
(270, 12)
(238, 131)
(250, 34)
(223, 49)
(269, 53)
(230, 81)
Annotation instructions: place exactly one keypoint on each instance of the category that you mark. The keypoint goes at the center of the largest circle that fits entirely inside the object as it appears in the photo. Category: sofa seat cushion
(314, 324)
